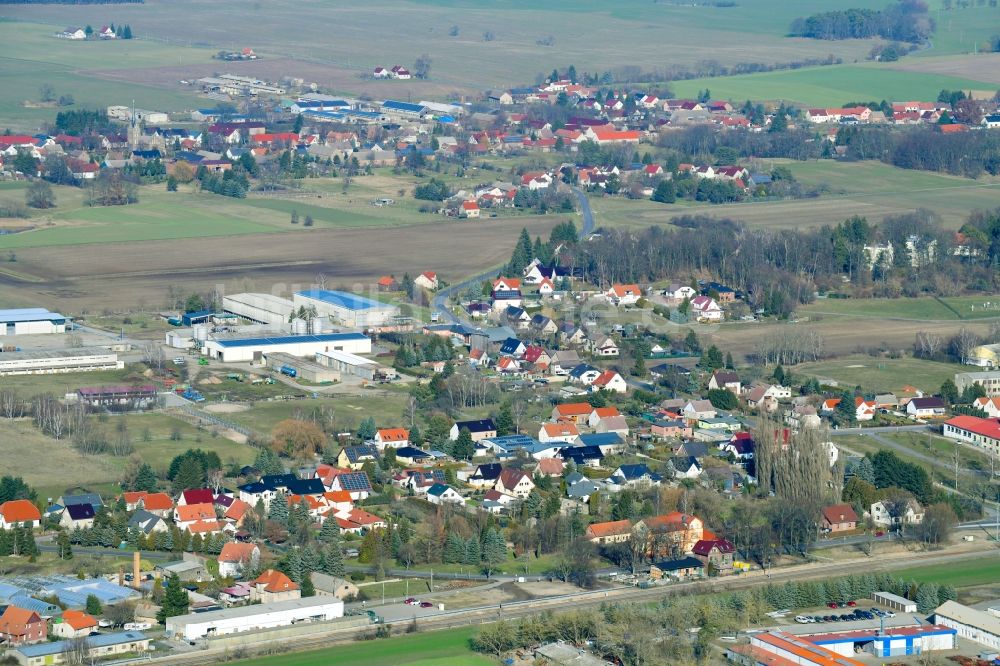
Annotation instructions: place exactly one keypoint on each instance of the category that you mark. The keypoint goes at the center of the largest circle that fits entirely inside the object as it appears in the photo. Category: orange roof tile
(19, 511)
(237, 552)
(394, 434)
(157, 502)
(275, 581)
(237, 509)
(574, 409)
(610, 528)
(78, 619)
(190, 512)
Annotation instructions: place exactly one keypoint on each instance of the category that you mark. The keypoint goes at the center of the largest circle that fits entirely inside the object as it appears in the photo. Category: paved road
(440, 301)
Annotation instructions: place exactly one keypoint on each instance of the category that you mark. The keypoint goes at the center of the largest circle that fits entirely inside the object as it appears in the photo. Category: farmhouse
(926, 408)
(254, 618)
(232, 350)
(347, 309)
(839, 518)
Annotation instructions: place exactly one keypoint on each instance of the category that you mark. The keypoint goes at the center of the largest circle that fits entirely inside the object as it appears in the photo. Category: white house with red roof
(608, 134)
(704, 308)
(468, 210)
(609, 380)
(428, 280)
(624, 294)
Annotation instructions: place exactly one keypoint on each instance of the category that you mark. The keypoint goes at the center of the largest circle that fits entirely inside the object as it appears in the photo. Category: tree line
(905, 21)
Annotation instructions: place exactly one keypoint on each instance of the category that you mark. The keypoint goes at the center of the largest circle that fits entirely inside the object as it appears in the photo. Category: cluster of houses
(75, 33)
(394, 72)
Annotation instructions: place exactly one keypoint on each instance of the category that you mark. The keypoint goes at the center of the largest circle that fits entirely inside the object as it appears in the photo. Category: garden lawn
(434, 648)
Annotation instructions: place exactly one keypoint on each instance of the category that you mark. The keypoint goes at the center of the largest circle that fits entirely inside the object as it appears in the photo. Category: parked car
(426, 604)
(852, 604)
(832, 604)
(411, 602)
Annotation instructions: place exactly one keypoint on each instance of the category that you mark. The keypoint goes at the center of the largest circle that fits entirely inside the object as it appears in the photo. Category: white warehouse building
(236, 350)
(31, 321)
(253, 618)
(47, 362)
(971, 624)
(260, 308)
(347, 309)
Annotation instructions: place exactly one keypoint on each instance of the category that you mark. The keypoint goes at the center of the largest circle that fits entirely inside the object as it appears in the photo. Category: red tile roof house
(839, 518)
(19, 512)
(715, 553)
(615, 531)
(237, 556)
(21, 627)
(74, 624)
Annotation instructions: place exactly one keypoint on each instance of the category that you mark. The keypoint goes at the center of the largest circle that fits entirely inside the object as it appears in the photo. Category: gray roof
(969, 616)
(249, 611)
(101, 640)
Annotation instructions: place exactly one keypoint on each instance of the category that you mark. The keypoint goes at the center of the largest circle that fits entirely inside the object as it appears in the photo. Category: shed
(895, 602)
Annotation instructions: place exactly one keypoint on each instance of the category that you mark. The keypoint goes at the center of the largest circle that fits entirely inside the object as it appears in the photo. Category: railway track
(517, 609)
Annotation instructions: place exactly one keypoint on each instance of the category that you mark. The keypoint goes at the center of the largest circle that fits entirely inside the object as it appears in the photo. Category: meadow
(33, 455)
(33, 56)
(882, 374)
(351, 40)
(439, 648)
(870, 189)
(829, 86)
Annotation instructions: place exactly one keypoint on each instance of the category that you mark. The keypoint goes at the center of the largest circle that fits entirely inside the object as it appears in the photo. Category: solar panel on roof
(357, 481)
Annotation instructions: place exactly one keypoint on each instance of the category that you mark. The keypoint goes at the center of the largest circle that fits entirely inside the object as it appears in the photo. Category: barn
(259, 308)
(46, 362)
(347, 309)
(356, 366)
(236, 350)
(31, 321)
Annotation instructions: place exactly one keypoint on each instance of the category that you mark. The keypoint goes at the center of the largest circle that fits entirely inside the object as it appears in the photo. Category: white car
(179, 360)
(803, 619)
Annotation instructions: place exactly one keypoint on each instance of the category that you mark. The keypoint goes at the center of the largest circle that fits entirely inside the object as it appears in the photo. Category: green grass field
(881, 374)
(32, 56)
(968, 573)
(444, 648)
(387, 407)
(829, 86)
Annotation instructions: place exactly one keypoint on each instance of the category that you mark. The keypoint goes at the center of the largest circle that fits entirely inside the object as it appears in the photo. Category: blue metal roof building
(403, 107)
(292, 339)
(24, 321)
(126, 641)
(345, 308)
